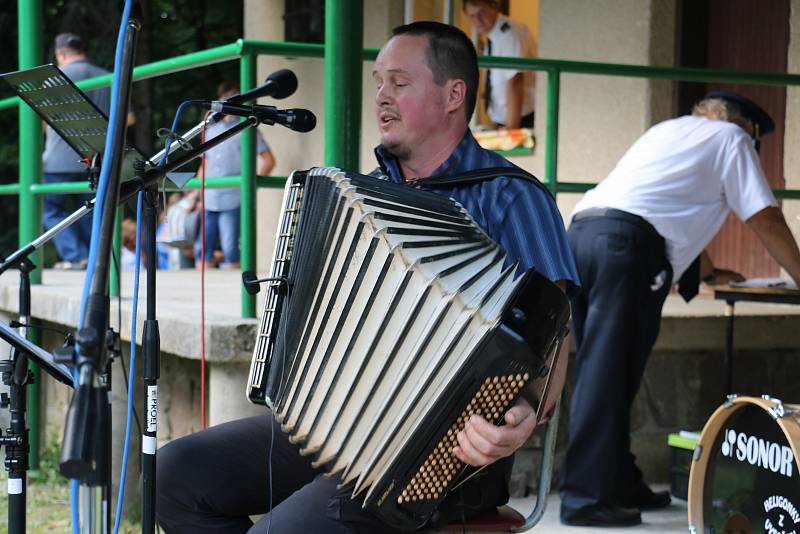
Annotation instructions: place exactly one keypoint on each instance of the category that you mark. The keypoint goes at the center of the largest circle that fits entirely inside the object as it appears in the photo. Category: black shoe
(603, 515)
(646, 499)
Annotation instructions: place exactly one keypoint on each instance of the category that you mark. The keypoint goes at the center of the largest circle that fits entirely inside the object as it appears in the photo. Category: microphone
(299, 120)
(279, 84)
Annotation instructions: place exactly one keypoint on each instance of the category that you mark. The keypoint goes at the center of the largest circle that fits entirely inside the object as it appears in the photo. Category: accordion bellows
(382, 334)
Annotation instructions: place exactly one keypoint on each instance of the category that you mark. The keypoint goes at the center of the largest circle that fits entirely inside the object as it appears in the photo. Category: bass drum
(744, 476)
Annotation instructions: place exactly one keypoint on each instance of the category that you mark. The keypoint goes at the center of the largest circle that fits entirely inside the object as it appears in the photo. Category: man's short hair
(735, 108)
(70, 41)
(491, 3)
(227, 88)
(450, 55)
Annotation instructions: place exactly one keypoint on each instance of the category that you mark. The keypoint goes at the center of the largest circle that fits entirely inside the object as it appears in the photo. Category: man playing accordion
(426, 80)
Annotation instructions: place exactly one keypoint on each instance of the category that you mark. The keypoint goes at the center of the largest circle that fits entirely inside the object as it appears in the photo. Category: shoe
(603, 515)
(646, 499)
(65, 265)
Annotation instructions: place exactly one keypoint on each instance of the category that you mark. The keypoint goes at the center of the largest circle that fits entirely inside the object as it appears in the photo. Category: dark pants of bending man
(212, 481)
(625, 278)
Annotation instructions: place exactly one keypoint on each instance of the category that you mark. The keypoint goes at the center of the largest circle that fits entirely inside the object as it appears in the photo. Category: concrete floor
(667, 521)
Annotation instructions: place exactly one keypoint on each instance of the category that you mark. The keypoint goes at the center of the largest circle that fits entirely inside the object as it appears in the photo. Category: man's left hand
(482, 443)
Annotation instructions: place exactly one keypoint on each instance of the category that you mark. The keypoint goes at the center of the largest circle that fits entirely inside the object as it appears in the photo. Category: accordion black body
(391, 318)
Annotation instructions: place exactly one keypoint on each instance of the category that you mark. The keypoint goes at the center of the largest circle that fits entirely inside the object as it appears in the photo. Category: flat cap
(749, 110)
(70, 40)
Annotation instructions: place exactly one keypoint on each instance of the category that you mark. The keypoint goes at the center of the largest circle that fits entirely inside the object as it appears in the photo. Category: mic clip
(253, 285)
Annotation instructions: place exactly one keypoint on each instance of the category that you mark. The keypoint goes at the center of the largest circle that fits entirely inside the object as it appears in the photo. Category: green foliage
(169, 28)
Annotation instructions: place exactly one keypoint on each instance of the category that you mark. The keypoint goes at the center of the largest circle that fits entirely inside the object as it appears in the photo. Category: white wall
(602, 115)
(791, 140)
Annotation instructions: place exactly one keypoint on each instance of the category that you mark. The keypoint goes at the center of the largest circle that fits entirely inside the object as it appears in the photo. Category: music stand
(68, 112)
(46, 360)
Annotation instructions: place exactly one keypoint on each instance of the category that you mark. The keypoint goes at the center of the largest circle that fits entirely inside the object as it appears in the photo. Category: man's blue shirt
(520, 216)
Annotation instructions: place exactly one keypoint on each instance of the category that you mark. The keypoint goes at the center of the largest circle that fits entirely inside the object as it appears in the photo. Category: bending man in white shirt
(639, 230)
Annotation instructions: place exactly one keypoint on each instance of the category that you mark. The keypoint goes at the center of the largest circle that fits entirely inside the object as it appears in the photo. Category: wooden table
(732, 294)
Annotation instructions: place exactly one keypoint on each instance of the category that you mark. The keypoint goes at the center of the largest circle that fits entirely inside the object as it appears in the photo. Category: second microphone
(297, 119)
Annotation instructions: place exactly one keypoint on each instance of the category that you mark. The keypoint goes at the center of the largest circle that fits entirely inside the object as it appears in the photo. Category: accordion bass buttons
(441, 467)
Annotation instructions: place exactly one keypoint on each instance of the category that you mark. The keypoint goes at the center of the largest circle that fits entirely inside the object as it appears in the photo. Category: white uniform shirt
(683, 176)
(510, 39)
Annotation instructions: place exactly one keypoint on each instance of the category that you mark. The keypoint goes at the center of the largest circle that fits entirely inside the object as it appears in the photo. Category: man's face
(481, 16)
(409, 105)
(61, 57)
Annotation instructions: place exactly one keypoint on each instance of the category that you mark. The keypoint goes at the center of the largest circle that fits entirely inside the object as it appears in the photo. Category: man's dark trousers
(625, 278)
(212, 481)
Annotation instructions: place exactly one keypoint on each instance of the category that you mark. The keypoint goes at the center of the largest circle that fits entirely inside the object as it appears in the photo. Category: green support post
(344, 27)
(551, 131)
(29, 24)
(247, 81)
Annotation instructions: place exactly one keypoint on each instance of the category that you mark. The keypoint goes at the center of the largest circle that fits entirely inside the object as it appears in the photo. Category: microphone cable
(203, 277)
(132, 366)
(100, 195)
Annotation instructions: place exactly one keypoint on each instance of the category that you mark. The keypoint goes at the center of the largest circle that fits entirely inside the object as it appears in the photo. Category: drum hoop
(711, 430)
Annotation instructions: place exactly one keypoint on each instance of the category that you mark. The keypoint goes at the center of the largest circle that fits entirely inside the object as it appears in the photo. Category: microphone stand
(84, 451)
(17, 376)
(151, 360)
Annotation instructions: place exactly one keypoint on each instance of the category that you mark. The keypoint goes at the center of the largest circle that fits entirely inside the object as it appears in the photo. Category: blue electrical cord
(132, 363)
(97, 216)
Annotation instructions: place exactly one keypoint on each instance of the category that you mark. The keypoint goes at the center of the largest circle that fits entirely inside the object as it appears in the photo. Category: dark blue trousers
(625, 278)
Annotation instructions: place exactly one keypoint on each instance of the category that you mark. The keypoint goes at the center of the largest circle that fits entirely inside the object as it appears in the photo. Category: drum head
(751, 480)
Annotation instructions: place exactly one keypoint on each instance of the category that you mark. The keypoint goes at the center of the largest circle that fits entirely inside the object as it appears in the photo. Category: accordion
(390, 318)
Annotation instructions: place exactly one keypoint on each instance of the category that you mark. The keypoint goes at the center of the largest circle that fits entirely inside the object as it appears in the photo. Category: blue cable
(102, 188)
(132, 363)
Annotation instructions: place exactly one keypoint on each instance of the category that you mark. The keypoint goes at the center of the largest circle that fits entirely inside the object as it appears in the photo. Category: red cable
(203, 280)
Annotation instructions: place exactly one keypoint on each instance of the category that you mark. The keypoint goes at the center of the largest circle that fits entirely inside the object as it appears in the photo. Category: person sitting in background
(222, 205)
(509, 93)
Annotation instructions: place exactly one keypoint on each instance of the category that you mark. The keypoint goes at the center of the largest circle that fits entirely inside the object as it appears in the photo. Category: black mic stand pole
(17, 376)
(83, 451)
(151, 359)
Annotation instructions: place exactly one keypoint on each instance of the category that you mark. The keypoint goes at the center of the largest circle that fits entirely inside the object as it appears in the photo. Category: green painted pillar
(551, 131)
(29, 25)
(247, 81)
(344, 21)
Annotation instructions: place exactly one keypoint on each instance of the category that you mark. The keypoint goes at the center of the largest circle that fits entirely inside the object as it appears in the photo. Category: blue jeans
(222, 227)
(72, 244)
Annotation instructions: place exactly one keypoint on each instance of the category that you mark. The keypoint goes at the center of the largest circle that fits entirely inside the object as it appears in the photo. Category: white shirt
(510, 39)
(683, 176)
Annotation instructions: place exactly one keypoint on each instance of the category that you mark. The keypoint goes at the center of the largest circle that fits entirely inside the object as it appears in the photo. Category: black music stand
(68, 111)
(84, 127)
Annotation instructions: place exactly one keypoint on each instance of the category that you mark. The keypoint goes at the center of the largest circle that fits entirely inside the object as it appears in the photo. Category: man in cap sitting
(644, 226)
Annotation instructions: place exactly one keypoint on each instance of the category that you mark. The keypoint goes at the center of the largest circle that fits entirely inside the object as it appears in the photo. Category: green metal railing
(343, 56)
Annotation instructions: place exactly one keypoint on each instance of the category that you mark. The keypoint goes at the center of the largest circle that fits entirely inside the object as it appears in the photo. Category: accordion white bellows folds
(391, 318)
